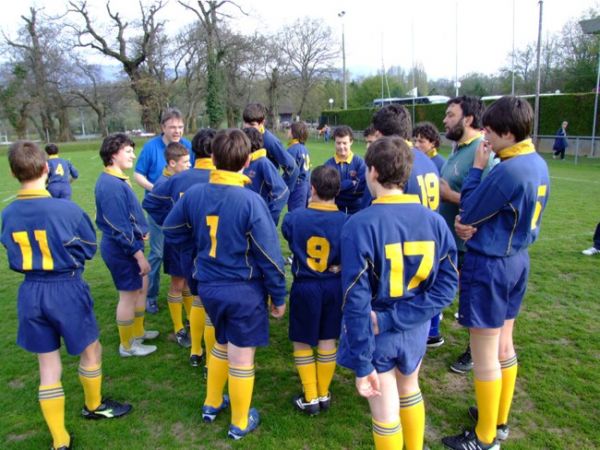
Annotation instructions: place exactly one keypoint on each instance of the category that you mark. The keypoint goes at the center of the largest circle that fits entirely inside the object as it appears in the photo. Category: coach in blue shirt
(148, 169)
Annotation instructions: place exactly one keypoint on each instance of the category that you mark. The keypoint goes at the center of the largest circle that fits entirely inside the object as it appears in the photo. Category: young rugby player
(427, 139)
(120, 218)
(178, 160)
(264, 176)
(500, 217)
(398, 271)
(313, 235)
(61, 174)
(351, 168)
(49, 241)
(238, 263)
(158, 204)
(300, 194)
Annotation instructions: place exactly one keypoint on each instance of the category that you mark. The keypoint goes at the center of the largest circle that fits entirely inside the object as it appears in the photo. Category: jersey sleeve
(116, 214)
(177, 228)
(158, 202)
(480, 200)
(73, 170)
(143, 163)
(283, 159)
(278, 190)
(82, 246)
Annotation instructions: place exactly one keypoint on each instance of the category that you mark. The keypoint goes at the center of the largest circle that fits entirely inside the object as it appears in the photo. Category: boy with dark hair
(49, 241)
(254, 116)
(399, 270)
(158, 204)
(120, 218)
(369, 136)
(300, 194)
(351, 168)
(238, 264)
(266, 181)
(427, 139)
(499, 219)
(61, 173)
(313, 235)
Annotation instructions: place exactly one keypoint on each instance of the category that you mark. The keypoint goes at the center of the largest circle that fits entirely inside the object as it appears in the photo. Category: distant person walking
(561, 142)
(595, 249)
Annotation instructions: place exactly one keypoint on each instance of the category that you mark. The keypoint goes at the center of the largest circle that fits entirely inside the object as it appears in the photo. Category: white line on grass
(9, 198)
(575, 179)
(94, 157)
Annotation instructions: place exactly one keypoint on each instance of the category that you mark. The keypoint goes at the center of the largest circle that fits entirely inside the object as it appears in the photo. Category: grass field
(557, 401)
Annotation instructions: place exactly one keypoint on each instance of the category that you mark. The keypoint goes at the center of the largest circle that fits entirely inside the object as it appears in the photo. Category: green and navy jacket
(506, 206)
(46, 236)
(232, 231)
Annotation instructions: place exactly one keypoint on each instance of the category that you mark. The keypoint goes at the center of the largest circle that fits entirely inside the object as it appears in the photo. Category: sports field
(557, 335)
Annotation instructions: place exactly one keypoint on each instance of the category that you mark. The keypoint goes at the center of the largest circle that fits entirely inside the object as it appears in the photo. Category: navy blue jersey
(507, 205)
(424, 181)
(300, 154)
(232, 231)
(436, 159)
(313, 235)
(399, 259)
(46, 235)
(280, 158)
(353, 183)
(159, 202)
(119, 214)
(60, 170)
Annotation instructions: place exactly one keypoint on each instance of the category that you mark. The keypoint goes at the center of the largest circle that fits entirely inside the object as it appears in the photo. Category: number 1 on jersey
(21, 238)
(395, 253)
(213, 223)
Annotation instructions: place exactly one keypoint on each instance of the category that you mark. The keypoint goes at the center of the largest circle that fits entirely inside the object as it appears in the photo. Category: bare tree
(311, 50)
(131, 55)
(15, 103)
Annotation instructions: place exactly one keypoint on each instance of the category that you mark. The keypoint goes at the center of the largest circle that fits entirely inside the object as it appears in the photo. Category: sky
(378, 32)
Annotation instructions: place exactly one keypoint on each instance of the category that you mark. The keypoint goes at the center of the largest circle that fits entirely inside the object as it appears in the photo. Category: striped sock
(509, 379)
(52, 403)
(241, 385)
(91, 380)
(307, 369)
(217, 376)
(487, 394)
(325, 370)
(387, 436)
(138, 322)
(125, 332)
(197, 319)
(188, 301)
(174, 302)
(412, 415)
(209, 337)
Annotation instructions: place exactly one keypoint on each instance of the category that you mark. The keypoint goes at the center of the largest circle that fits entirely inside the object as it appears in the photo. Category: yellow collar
(53, 157)
(432, 153)
(520, 148)
(26, 194)
(398, 198)
(260, 153)
(468, 141)
(293, 142)
(261, 128)
(204, 163)
(115, 173)
(409, 143)
(167, 173)
(228, 178)
(348, 160)
(323, 206)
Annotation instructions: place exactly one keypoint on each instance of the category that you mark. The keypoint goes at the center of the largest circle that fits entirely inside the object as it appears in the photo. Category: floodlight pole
(341, 15)
(592, 26)
(536, 120)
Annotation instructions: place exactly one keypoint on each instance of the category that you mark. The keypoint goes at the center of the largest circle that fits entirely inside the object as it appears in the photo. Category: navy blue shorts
(60, 190)
(123, 268)
(315, 310)
(403, 350)
(492, 289)
(238, 311)
(172, 262)
(52, 307)
(186, 260)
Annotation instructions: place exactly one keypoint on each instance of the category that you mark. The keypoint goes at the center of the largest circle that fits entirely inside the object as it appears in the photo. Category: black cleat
(196, 360)
(311, 408)
(468, 441)
(108, 409)
(502, 431)
(464, 363)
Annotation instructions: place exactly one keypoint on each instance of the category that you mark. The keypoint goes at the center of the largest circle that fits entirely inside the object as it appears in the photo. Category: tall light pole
(512, 69)
(536, 118)
(341, 15)
(456, 82)
(592, 26)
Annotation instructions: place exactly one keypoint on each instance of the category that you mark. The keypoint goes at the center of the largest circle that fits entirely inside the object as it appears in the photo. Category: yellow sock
(387, 436)
(138, 322)
(125, 332)
(197, 318)
(412, 415)
(325, 370)
(217, 376)
(174, 302)
(52, 403)
(91, 380)
(188, 300)
(509, 379)
(487, 394)
(241, 385)
(307, 369)
(209, 338)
